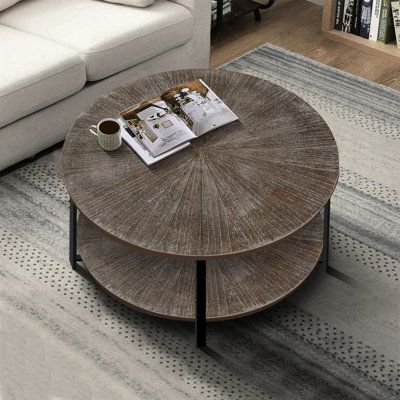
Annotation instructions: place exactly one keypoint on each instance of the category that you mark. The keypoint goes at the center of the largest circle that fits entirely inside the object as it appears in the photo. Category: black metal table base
(257, 13)
(201, 287)
(74, 258)
(324, 260)
(201, 303)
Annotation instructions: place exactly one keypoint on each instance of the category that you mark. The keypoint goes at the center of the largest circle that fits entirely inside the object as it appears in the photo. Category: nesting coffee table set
(225, 228)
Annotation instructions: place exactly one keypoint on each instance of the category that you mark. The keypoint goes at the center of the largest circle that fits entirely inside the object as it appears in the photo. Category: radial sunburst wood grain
(240, 188)
(236, 286)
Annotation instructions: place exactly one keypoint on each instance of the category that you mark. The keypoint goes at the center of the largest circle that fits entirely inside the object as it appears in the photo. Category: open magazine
(159, 127)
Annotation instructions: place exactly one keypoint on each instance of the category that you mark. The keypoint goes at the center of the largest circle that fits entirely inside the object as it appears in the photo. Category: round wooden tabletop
(237, 189)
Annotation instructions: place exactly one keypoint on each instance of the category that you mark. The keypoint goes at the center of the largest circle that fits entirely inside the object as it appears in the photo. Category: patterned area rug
(336, 338)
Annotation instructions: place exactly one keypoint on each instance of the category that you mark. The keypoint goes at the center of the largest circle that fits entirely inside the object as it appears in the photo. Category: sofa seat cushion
(34, 73)
(108, 37)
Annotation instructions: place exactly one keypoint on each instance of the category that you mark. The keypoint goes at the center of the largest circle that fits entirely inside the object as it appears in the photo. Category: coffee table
(225, 228)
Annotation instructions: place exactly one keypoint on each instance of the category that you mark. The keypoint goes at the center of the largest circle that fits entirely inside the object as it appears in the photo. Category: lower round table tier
(236, 286)
(235, 190)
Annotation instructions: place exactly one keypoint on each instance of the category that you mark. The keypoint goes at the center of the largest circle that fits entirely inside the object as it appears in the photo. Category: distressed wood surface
(236, 286)
(240, 188)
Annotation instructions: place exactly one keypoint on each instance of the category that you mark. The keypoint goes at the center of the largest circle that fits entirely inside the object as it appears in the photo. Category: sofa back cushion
(134, 3)
(108, 37)
(8, 3)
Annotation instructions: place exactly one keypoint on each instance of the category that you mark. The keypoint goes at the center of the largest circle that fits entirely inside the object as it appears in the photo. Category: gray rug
(337, 337)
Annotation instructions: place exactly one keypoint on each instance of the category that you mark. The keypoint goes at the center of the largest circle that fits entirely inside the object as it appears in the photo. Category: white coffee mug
(108, 132)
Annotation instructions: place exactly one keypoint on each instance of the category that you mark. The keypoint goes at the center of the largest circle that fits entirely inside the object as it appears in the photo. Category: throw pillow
(134, 3)
(7, 3)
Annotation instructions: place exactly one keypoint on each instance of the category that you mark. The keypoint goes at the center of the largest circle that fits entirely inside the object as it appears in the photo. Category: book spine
(339, 15)
(383, 21)
(356, 21)
(366, 7)
(375, 17)
(347, 15)
(386, 28)
(396, 20)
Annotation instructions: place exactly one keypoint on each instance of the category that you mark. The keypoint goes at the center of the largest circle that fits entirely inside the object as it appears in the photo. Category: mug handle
(91, 131)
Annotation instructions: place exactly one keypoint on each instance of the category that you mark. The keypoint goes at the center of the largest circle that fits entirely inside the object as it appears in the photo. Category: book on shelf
(386, 32)
(396, 20)
(375, 17)
(338, 24)
(159, 127)
(356, 18)
(365, 22)
(347, 15)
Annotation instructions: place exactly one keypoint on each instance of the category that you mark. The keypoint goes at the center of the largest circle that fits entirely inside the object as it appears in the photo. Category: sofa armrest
(200, 42)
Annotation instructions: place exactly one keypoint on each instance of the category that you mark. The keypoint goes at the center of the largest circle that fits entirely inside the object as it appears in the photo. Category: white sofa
(58, 56)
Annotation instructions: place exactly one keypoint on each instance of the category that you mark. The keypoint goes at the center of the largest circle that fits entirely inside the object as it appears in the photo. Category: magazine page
(135, 144)
(156, 126)
(199, 106)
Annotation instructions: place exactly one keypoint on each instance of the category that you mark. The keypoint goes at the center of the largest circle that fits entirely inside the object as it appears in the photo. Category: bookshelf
(388, 51)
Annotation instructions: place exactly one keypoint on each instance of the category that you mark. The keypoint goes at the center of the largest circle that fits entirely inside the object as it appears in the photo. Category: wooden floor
(295, 25)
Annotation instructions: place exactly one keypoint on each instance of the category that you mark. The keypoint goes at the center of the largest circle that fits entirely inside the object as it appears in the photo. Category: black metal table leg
(257, 13)
(73, 217)
(268, 5)
(200, 303)
(327, 218)
(220, 5)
